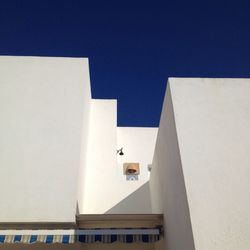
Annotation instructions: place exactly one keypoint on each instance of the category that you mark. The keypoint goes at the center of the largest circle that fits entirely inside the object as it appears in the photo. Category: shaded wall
(138, 202)
(106, 189)
(200, 174)
(167, 186)
(212, 121)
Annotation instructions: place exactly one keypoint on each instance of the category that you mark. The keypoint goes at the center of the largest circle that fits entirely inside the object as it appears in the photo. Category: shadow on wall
(138, 202)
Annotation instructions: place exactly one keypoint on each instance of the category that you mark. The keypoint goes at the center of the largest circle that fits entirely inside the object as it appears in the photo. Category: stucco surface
(106, 189)
(212, 122)
(100, 191)
(41, 123)
(167, 184)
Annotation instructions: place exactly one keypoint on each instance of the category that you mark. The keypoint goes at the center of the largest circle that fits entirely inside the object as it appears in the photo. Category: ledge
(119, 220)
(89, 221)
(37, 225)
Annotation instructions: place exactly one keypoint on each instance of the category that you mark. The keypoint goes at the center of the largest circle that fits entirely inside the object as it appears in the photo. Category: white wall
(200, 176)
(43, 104)
(106, 189)
(213, 121)
(99, 181)
(86, 107)
(137, 202)
(138, 145)
(167, 186)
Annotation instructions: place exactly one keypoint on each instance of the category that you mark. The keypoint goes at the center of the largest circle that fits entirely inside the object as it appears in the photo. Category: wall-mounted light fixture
(120, 151)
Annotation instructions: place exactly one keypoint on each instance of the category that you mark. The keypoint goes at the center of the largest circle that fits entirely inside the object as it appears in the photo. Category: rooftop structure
(71, 177)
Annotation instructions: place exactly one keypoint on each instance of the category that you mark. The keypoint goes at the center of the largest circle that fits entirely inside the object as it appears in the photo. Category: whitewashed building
(71, 177)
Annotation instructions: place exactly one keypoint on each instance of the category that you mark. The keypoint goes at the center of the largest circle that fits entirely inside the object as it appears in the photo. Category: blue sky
(133, 46)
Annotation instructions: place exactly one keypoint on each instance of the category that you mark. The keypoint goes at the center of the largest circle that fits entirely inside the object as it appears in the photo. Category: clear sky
(133, 46)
